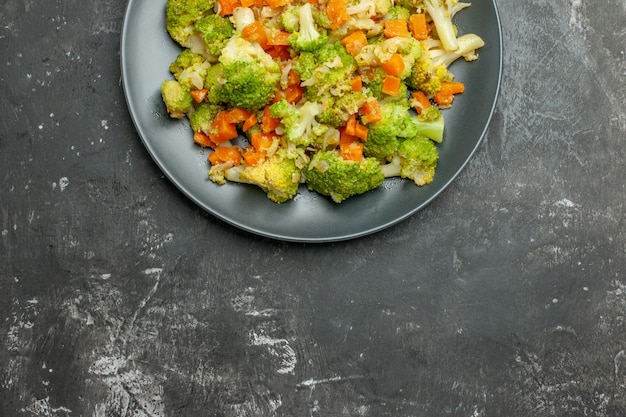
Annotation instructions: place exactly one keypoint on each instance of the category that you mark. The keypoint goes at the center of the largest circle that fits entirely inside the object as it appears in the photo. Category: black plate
(147, 51)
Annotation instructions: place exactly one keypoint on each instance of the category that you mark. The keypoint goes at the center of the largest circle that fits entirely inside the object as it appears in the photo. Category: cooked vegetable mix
(333, 94)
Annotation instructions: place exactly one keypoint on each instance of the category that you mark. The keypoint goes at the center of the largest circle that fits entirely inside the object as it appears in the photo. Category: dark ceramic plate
(147, 51)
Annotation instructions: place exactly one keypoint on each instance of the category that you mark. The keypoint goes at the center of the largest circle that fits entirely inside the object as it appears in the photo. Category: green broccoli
(327, 71)
(213, 83)
(182, 15)
(415, 159)
(426, 77)
(335, 111)
(299, 123)
(429, 123)
(203, 116)
(185, 59)
(215, 31)
(385, 136)
(290, 18)
(277, 175)
(177, 99)
(375, 87)
(331, 175)
(249, 77)
(397, 12)
(307, 37)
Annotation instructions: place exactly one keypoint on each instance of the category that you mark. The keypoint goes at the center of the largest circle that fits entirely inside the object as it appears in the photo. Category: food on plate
(334, 94)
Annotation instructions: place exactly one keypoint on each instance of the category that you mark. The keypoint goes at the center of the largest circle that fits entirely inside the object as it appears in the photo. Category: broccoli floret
(215, 31)
(385, 136)
(397, 12)
(176, 98)
(327, 71)
(375, 87)
(429, 123)
(331, 175)
(185, 59)
(298, 122)
(277, 175)
(307, 38)
(181, 16)
(336, 110)
(408, 48)
(203, 116)
(427, 77)
(213, 80)
(249, 77)
(415, 159)
(290, 18)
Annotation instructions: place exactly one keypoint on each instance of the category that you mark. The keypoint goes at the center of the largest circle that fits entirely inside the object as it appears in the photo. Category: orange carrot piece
(268, 122)
(274, 4)
(357, 83)
(223, 154)
(226, 7)
(351, 125)
(293, 78)
(203, 140)
(352, 151)
(395, 28)
(451, 87)
(421, 100)
(253, 157)
(249, 122)
(248, 3)
(418, 26)
(391, 85)
(255, 32)
(443, 100)
(262, 142)
(277, 37)
(280, 52)
(199, 95)
(354, 42)
(222, 128)
(337, 12)
(345, 137)
(293, 93)
(237, 115)
(394, 65)
(371, 111)
(361, 131)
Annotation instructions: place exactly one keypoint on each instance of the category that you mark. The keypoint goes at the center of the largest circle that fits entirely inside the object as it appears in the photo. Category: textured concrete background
(504, 297)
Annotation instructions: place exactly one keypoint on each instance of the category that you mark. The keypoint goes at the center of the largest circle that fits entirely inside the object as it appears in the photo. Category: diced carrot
(394, 65)
(223, 154)
(199, 95)
(391, 85)
(421, 101)
(418, 26)
(352, 151)
(280, 52)
(371, 111)
(345, 137)
(361, 131)
(351, 125)
(255, 32)
(262, 142)
(293, 93)
(222, 129)
(249, 122)
(253, 157)
(445, 96)
(203, 140)
(293, 78)
(268, 122)
(337, 12)
(395, 28)
(354, 42)
(237, 115)
(248, 3)
(276, 37)
(274, 4)
(357, 83)
(226, 7)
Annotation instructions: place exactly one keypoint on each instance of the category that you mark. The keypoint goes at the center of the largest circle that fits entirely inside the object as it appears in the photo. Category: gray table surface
(504, 297)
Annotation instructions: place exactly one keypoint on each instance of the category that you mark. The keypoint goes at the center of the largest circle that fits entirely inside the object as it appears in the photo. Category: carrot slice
(255, 32)
(351, 125)
(237, 115)
(394, 65)
(395, 28)
(203, 140)
(268, 122)
(352, 151)
(253, 157)
(262, 142)
(418, 26)
(277, 37)
(337, 11)
(361, 131)
(345, 137)
(371, 111)
(227, 7)
(445, 96)
(199, 95)
(391, 85)
(421, 100)
(354, 42)
(223, 154)
(223, 129)
(249, 122)
(357, 83)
